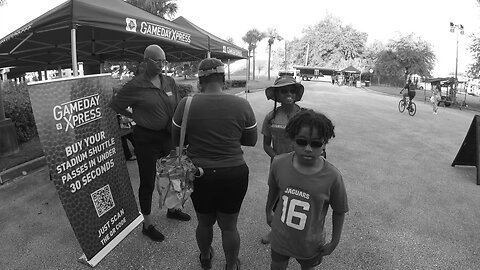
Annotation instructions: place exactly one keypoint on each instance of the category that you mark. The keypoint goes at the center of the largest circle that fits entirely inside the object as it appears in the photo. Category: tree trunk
(248, 66)
(269, 54)
(253, 65)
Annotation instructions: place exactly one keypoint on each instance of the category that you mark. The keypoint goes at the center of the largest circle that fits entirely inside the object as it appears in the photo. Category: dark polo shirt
(153, 108)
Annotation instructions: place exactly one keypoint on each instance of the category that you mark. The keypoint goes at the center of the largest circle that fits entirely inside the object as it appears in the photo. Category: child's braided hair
(312, 119)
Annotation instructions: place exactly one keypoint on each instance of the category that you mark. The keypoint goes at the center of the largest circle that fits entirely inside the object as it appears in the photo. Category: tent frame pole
(73, 41)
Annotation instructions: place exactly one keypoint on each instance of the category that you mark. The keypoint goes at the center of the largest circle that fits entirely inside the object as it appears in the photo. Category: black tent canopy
(350, 69)
(92, 32)
(217, 47)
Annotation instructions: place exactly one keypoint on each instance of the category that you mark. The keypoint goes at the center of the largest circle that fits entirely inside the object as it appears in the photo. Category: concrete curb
(22, 169)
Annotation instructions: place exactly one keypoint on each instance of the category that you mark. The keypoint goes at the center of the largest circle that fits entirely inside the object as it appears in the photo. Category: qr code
(103, 200)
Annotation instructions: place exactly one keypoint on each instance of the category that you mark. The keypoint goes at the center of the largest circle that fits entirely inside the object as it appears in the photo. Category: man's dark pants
(150, 145)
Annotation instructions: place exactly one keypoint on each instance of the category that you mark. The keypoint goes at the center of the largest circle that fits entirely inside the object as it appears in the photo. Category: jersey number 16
(288, 213)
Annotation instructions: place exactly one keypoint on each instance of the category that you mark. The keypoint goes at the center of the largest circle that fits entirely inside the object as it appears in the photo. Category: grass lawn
(33, 149)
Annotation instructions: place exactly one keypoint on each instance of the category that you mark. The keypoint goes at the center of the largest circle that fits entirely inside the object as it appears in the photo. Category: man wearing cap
(218, 125)
(153, 98)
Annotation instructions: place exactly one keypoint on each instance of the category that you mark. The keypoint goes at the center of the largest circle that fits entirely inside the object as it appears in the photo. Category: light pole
(460, 29)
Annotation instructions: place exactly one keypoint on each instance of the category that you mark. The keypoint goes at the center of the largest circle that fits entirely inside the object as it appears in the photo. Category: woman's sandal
(238, 264)
(206, 263)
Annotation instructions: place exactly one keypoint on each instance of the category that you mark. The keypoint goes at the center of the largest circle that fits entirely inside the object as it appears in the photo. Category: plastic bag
(174, 180)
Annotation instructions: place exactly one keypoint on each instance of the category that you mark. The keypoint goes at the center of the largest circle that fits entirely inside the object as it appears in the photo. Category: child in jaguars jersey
(306, 184)
(287, 92)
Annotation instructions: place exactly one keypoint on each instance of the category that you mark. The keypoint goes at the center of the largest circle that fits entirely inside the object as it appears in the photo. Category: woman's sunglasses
(313, 144)
(288, 90)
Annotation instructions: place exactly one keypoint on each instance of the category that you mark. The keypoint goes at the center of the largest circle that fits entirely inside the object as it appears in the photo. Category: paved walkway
(409, 209)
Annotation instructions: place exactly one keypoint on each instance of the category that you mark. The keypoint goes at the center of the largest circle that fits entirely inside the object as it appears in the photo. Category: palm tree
(252, 37)
(272, 36)
(161, 8)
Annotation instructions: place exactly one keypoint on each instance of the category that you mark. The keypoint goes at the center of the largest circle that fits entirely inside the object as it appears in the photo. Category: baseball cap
(210, 66)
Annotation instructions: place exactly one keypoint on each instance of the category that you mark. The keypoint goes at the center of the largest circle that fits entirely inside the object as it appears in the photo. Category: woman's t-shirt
(214, 129)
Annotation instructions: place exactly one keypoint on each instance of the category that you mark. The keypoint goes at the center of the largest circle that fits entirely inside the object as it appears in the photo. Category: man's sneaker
(152, 233)
(177, 214)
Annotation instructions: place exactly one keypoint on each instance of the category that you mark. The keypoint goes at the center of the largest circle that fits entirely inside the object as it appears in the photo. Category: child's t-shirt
(275, 128)
(298, 221)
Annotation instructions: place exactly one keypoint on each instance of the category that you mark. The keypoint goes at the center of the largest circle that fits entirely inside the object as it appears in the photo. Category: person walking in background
(153, 98)
(218, 125)
(436, 90)
(307, 185)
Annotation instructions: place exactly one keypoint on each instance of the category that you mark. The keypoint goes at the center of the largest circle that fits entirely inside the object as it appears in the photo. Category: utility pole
(306, 56)
(452, 30)
(460, 29)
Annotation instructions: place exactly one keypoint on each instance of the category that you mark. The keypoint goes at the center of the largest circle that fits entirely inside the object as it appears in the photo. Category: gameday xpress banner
(157, 30)
(79, 135)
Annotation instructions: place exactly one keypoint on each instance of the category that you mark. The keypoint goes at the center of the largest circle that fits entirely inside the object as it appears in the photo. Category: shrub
(185, 90)
(235, 83)
(19, 109)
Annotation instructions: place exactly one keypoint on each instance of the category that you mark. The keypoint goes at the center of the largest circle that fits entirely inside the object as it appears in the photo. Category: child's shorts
(312, 262)
(220, 190)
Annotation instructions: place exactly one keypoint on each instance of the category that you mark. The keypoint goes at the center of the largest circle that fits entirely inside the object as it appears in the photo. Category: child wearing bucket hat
(286, 91)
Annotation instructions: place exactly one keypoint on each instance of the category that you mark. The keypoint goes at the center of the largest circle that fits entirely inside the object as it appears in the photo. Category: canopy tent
(217, 47)
(93, 32)
(350, 69)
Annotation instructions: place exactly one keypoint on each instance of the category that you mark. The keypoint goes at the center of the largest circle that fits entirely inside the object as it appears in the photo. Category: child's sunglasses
(313, 144)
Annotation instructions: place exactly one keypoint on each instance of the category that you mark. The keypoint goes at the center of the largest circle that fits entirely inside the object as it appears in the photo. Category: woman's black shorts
(220, 190)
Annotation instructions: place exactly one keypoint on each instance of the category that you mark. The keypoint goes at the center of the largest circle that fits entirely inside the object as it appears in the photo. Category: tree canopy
(161, 8)
(252, 37)
(474, 70)
(330, 44)
(406, 55)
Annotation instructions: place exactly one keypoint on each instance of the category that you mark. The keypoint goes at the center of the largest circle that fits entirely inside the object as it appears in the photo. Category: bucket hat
(281, 82)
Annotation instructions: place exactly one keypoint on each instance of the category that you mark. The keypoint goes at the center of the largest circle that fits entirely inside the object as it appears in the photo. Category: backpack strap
(184, 126)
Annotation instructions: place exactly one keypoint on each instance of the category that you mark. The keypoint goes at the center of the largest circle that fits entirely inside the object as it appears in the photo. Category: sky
(381, 19)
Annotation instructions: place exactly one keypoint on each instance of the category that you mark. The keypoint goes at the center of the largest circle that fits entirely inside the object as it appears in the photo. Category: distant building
(473, 87)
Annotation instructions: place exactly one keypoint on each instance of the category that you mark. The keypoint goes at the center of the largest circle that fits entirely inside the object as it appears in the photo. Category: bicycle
(403, 104)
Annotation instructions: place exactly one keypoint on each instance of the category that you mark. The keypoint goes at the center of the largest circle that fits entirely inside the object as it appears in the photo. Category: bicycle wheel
(413, 109)
(401, 106)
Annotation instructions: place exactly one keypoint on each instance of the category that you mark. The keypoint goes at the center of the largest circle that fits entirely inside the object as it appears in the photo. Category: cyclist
(410, 92)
